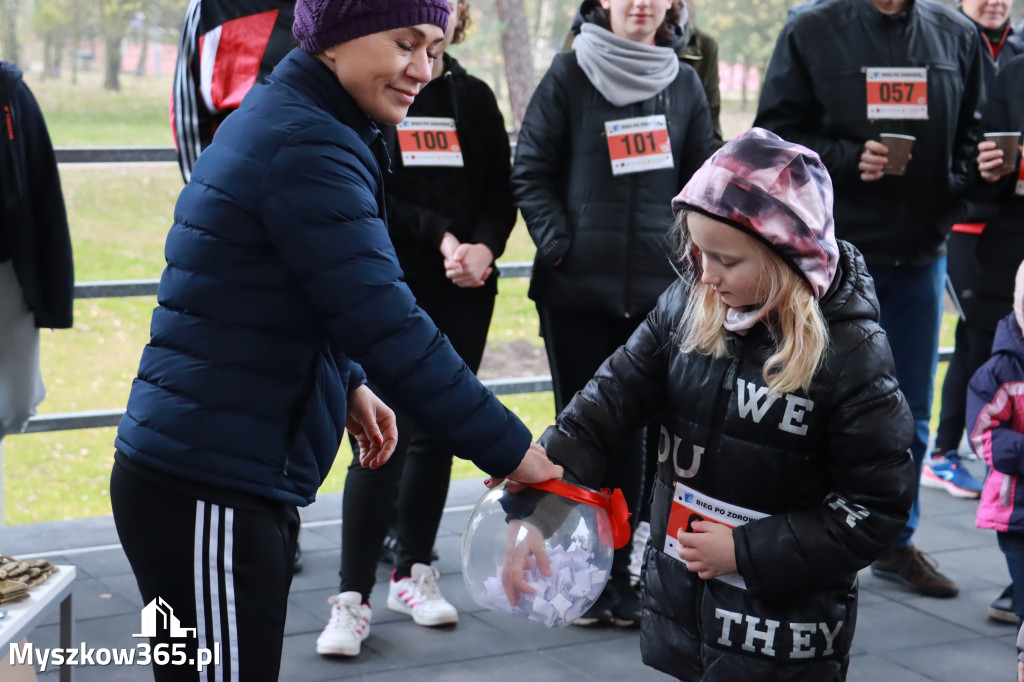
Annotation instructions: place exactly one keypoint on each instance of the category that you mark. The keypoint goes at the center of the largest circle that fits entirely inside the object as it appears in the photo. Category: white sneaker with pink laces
(348, 627)
(420, 597)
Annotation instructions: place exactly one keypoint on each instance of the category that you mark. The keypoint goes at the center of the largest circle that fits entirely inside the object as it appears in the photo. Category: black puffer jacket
(1000, 247)
(608, 234)
(474, 202)
(828, 467)
(815, 93)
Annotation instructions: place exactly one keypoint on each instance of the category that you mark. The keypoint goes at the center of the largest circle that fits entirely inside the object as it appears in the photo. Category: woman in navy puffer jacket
(281, 286)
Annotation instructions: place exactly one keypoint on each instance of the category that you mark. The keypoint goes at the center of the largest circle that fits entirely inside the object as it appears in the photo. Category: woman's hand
(709, 551)
(522, 541)
(535, 467)
(990, 160)
(469, 265)
(372, 423)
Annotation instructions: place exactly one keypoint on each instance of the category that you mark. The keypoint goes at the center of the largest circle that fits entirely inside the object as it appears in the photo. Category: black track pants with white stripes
(223, 570)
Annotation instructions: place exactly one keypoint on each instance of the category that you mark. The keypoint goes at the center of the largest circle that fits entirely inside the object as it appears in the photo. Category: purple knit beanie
(319, 24)
(775, 191)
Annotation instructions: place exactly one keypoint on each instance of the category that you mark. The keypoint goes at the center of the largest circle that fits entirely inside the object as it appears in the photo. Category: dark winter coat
(1000, 247)
(995, 417)
(474, 202)
(814, 93)
(280, 278)
(34, 233)
(603, 243)
(829, 468)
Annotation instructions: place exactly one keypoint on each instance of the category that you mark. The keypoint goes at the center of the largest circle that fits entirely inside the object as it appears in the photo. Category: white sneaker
(420, 597)
(348, 627)
(636, 555)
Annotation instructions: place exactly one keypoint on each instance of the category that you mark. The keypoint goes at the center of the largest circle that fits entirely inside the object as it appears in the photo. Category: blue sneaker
(947, 472)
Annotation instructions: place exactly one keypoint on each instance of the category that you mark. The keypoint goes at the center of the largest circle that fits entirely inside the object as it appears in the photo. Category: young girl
(783, 466)
(995, 398)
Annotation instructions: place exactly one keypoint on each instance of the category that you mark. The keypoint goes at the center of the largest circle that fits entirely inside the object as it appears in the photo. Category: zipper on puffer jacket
(725, 391)
(724, 394)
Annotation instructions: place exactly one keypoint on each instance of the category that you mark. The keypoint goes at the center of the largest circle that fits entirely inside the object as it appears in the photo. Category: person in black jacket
(450, 212)
(784, 466)
(614, 128)
(975, 329)
(843, 72)
(999, 249)
(36, 268)
(226, 47)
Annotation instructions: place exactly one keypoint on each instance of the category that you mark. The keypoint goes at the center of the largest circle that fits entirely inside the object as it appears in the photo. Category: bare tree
(9, 29)
(515, 47)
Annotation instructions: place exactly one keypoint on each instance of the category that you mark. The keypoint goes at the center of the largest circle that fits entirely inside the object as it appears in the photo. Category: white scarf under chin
(737, 320)
(623, 70)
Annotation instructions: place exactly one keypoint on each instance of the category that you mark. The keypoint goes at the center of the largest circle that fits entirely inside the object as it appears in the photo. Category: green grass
(86, 115)
(119, 216)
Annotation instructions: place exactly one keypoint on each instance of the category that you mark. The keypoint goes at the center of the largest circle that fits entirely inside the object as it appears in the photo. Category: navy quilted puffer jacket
(280, 278)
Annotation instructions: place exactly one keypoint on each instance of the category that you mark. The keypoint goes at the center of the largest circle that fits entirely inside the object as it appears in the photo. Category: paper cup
(1009, 143)
(899, 152)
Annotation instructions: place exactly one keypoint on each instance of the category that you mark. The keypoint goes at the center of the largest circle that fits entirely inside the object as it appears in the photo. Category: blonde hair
(792, 315)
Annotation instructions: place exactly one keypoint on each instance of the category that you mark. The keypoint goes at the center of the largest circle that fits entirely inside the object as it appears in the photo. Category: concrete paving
(901, 637)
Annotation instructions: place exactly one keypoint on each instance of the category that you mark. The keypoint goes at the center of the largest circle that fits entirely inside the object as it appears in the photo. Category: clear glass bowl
(577, 539)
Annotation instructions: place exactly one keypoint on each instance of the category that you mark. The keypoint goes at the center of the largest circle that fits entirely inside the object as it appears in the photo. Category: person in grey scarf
(612, 132)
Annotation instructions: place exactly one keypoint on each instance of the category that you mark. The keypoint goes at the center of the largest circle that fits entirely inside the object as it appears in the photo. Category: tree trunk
(112, 77)
(9, 30)
(743, 82)
(515, 48)
(76, 39)
(544, 32)
(140, 68)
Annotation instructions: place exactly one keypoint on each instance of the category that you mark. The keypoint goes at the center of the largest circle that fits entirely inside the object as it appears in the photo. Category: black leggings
(412, 487)
(224, 571)
(576, 345)
(973, 344)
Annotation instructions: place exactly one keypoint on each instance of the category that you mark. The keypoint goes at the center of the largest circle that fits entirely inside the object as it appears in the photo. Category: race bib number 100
(638, 144)
(429, 141)
(897, 93)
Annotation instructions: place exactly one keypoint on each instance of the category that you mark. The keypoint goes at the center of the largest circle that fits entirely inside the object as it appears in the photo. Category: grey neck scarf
(623, 70)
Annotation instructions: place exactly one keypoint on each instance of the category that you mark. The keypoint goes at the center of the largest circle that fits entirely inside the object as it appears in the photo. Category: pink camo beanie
(777, 192)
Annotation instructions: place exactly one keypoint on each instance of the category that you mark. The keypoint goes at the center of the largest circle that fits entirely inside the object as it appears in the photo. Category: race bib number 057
(897, 93)
(429, 141)
(638, 144)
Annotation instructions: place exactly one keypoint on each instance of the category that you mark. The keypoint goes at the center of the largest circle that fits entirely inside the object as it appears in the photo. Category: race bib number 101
(638, 144)
(897, 93)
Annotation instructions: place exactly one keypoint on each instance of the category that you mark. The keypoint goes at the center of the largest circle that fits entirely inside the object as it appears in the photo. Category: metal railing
(90, 419)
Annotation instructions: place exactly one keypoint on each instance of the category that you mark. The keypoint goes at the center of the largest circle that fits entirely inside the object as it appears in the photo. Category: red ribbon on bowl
(611, 501)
